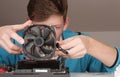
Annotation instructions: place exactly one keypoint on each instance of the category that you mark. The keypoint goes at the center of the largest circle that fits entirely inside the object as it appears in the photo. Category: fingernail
(21, 52)
(22, 41)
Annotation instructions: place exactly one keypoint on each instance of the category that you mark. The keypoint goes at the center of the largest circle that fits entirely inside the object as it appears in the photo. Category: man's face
(56, 21)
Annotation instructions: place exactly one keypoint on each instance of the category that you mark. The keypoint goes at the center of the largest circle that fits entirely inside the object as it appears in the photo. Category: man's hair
(40, 10)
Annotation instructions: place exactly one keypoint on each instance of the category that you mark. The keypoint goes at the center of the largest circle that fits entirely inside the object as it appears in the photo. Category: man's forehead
(53, 20)
(49, 24)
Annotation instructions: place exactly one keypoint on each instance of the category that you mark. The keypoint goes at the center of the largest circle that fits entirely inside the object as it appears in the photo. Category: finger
(77, 49)
(59, 53)
(18, 38)
(22, 26)
(80, 54)
(71, 44)
(65, 56)
(2, 43)
(75, 57)
(65, 41)
(10, 45)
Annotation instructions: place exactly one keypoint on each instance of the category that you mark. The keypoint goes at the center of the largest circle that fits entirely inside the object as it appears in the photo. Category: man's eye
(57, 27)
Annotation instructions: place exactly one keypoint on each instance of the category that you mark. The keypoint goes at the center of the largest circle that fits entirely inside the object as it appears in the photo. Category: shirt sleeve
(117, 62)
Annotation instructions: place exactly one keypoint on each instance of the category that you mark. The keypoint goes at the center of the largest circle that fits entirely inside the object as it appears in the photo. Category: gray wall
(95, 15)
(12, 11)
(101, 18)
(110, 38)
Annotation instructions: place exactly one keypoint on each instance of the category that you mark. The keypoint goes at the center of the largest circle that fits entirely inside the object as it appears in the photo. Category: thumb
(66, 40)
(22, 26)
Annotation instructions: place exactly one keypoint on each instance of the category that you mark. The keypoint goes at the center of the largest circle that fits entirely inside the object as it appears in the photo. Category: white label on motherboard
(41, 70)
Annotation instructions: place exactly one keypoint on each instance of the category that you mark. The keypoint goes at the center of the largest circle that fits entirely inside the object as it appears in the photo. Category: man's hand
(9, 32)
(76, 46)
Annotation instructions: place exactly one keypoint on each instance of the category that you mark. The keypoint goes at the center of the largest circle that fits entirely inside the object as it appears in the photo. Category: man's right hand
(9, 32)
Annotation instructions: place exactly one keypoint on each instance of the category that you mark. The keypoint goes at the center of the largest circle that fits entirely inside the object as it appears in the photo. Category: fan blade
(50, 41)
(46, 33)
(36, 30)
(29, 46)
(29, 36)
(46, 50)
(39, 52)
(35, 52)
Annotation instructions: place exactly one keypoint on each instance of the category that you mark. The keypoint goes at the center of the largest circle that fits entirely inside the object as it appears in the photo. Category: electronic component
(39, 47)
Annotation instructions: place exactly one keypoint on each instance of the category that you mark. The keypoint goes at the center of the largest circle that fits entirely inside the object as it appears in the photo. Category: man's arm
(78, 46)
(104, 53)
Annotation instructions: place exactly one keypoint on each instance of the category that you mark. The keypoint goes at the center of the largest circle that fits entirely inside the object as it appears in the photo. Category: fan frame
(48, 56)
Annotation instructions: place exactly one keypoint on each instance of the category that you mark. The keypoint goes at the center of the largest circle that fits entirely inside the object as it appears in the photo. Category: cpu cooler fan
(40, 42)
(40, 45)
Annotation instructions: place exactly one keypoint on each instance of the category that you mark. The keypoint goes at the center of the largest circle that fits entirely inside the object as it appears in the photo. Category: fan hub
(39, 41)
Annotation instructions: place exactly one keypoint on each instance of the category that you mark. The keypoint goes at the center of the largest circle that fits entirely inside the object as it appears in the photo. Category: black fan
(40, 42)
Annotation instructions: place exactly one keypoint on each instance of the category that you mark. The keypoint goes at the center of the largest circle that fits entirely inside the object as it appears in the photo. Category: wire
(61, 49)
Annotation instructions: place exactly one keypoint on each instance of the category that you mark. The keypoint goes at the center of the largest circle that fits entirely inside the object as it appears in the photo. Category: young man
(85, 53)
